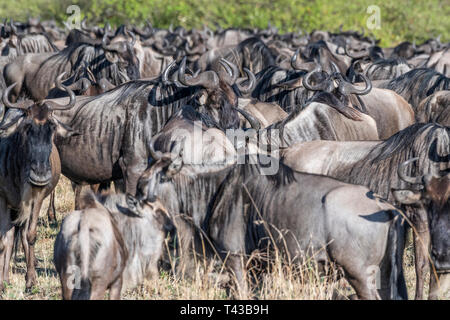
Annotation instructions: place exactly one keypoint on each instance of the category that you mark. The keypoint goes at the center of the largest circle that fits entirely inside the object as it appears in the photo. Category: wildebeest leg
(444, 285)
(98, 290)
(8, 252)
(363, 290)
(51, 212)
(77, 188)
(67, 290)
(115, 289)
(6, 242)
(421, 249)
(236, 263)
(31, 233)
(26, 249)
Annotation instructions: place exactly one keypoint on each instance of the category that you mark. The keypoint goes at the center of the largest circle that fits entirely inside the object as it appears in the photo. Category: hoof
(30, 283)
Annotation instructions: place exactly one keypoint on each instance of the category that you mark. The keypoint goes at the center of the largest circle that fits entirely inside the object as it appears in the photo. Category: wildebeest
(318, 121)
(374, 164)
(238, 198)
(433, 192)
(390, 111)
(29, 171)
(117, 126)
(114, 242)
(440, 61)
(195, 133)
(435, 108)
(417, 84)
(252, 54)
(291, 90)
(35, 74)
(380, 69)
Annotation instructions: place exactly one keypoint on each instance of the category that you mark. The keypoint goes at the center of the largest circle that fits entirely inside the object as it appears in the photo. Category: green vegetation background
(400, 19)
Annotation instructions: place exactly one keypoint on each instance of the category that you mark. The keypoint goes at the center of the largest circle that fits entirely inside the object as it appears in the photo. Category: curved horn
(83, 25)
(308, 85)
(365, 53)
(347, 88)
(106, 28)
(308, 66)
(165, 75)
(133, 37)
(156, 155)
(188, 50)
(207, 79)
(402, 174)
(72, 99)
(13, 27)
(294, 59)
(18, 105)
(334, 67)
(232, 71)
(118, 46)
(254, 123)
(251, 82)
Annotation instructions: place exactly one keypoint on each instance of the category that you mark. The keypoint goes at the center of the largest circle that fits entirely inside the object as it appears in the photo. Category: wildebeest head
(433, 193)
(33, 132)
(335, 91)
(156, 181)
(217, 95)
(123, 54)
(153, 210)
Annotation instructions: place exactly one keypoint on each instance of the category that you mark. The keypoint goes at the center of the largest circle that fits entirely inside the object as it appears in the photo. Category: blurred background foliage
(400, 20)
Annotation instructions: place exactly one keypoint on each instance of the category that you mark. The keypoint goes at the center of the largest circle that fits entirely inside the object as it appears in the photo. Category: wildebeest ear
(112, 56)
(407, 196)
(65, 131)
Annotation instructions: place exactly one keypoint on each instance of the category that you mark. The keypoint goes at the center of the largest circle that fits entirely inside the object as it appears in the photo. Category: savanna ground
(281, 282)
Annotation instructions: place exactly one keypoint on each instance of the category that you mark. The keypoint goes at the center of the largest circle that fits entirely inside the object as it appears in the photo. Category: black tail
(396, 243)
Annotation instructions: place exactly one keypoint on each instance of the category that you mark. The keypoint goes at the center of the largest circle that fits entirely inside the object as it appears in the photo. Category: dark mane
(92, 56)
(378, 170)
(256, 166)
(251, 53)
(418, 84)
(268, 91)
(189, 113)
(403, 140)
(383, 69)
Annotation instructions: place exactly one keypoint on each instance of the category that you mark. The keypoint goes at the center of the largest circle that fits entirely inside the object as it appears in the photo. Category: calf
(114, 242)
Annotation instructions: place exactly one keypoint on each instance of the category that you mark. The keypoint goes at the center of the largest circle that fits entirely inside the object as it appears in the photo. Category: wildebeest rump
(114, 242)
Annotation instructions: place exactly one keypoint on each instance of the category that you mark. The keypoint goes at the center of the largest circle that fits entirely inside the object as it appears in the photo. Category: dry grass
(280, 282)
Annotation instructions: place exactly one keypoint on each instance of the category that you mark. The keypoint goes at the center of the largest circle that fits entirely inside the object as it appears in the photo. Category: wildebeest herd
(228, 142)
